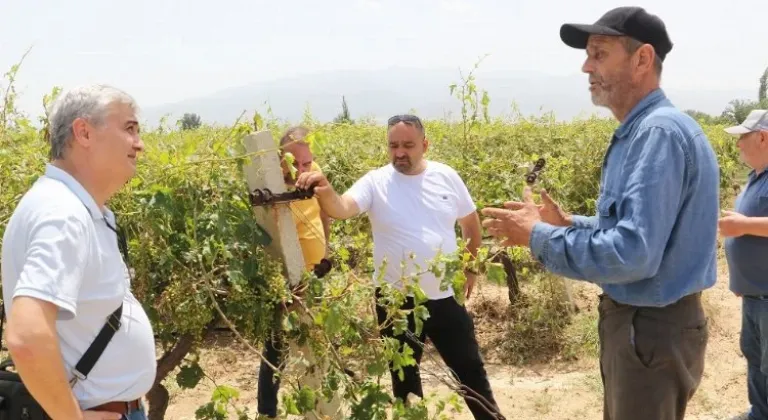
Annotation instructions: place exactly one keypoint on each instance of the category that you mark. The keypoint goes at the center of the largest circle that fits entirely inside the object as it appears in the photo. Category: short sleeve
(466, 205)
(54, 262)
(362, 192)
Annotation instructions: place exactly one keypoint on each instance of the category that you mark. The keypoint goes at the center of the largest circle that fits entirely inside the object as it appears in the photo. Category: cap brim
(575, 35)
(737, 130)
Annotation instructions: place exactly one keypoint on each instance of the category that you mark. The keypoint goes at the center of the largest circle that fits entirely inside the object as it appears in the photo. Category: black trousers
(452, 331)
(275, 349)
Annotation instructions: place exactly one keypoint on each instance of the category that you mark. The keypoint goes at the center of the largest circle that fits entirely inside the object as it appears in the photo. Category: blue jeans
(754, 346)
(140, 414)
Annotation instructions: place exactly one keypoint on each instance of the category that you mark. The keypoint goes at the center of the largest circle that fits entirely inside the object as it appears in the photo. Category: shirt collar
(70, 182)
(649, 101)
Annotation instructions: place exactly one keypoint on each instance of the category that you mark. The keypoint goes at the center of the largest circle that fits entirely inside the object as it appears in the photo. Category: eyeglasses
(405, 118)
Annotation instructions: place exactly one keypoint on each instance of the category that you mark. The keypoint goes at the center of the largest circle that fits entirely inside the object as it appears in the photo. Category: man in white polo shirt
(63, 274)
(413, 205)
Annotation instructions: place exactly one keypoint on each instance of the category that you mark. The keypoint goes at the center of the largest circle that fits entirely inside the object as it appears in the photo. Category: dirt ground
(553, 391)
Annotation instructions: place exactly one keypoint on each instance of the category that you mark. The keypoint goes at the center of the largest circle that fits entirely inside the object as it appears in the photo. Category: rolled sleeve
(54, 262)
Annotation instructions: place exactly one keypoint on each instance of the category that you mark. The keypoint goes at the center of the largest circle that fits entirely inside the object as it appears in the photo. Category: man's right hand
(549, 210)
(101, 415)
(318, 179)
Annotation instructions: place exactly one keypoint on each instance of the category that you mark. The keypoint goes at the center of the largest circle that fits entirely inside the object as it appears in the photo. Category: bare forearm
(34, 348)
(38, 361)
(471, 231)
(336, 206)
(756, 226)
(326, 231)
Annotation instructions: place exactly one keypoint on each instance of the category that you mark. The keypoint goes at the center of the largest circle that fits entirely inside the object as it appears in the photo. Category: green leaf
(224, 394)
(189, 376)
(306, 399)
(495, 273)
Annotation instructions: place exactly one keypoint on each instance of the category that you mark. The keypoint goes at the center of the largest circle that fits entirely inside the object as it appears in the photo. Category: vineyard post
(264, 172)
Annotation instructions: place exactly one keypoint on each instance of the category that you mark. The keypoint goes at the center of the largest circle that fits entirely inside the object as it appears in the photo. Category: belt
(119, 407)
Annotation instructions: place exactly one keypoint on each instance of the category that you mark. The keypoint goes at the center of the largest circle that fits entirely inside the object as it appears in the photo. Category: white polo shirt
(412, 215)
(57, 247)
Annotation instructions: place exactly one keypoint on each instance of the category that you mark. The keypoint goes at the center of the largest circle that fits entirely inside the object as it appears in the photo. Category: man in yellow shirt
(313, 229)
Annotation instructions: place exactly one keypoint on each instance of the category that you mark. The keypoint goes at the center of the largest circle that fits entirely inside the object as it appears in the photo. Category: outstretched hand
(549, 210)
(514, 224)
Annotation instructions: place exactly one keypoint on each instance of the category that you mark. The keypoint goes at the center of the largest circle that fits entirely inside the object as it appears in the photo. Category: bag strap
(91, 356)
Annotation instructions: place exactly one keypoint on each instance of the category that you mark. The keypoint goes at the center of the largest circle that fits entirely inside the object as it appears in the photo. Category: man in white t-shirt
(63, 274)
(413, 205)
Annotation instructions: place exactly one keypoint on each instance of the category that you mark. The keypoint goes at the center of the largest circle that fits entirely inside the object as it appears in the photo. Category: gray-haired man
(63, 274)
(746, 248)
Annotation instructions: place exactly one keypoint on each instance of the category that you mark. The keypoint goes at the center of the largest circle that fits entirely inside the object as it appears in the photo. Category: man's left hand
(732, 224)
(514, 227)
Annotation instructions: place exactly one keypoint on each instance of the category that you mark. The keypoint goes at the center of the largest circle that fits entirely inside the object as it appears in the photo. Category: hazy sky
(166, 50)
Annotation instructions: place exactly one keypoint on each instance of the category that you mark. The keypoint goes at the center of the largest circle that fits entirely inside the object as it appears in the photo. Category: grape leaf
(189, 376)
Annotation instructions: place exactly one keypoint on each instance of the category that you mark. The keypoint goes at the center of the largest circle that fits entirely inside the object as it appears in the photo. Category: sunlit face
(303, 158)
(609, 67)
(753, 147)
(114, 145)
(407, 145)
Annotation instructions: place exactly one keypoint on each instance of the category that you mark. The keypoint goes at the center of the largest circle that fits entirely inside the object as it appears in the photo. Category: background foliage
(199, 259)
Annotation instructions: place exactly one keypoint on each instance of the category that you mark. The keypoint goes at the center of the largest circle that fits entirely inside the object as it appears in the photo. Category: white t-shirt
(412, 214)
(57, 247)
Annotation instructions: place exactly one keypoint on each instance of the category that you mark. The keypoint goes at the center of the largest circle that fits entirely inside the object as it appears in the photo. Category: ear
(426, 144)
(645, 56)
(81, 132)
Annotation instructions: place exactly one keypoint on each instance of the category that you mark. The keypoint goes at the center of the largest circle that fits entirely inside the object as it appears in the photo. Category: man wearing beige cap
(746, 245)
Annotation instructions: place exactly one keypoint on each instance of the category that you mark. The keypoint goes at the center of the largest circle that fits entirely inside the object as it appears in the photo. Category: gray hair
(89, 102)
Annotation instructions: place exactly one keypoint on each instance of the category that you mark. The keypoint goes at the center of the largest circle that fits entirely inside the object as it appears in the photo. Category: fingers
(527, 195)
(513, 205)
(101, 415)
(729, 213)
(495, 213)
(308, 178)
(547, 199)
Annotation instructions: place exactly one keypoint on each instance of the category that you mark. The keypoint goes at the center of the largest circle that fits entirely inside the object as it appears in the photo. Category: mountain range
(378, 94)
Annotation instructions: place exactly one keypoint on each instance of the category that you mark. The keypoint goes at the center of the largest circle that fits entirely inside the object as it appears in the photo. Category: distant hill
(381, 93)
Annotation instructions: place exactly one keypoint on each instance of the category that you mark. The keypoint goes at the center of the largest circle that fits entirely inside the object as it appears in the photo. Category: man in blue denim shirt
(746, 246)
(652, 244)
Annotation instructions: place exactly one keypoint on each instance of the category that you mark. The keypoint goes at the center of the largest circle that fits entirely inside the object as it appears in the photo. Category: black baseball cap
(633, 22)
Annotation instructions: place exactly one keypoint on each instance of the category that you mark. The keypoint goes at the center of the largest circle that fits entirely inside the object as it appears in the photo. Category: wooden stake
(264, 171)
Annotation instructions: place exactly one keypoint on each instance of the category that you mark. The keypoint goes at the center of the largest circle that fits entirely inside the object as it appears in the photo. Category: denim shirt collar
(649, 101)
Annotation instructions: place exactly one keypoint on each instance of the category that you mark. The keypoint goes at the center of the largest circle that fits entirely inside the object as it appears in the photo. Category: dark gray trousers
(651, 359)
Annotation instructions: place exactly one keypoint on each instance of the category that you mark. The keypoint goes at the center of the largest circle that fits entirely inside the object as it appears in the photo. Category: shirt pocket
(606, 211)
(762, 207)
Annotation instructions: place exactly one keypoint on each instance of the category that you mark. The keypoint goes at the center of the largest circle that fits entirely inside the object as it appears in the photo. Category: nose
(139, 146)
(587, 67)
